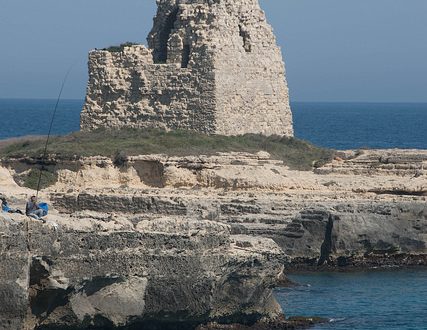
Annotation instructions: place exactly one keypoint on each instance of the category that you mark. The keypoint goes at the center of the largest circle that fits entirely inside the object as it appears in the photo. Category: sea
(333, 125)
(373, 300)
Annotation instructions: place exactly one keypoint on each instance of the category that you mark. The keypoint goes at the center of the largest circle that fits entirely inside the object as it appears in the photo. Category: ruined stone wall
(126, 89)
(211, 66)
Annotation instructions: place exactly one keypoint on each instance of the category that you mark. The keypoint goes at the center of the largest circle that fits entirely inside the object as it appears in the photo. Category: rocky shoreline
(201, 239)
(358, 263)
(104, 275)
(281, 323)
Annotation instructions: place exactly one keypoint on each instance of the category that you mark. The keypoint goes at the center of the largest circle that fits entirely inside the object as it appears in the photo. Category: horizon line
(292, 101)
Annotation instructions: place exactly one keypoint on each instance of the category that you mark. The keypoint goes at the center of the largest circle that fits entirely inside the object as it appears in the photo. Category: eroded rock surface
(89, 273)
(365, 204)
(199, 239)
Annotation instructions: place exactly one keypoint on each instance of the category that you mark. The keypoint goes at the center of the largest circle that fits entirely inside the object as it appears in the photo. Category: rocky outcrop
(365, 205)
(211, 66)
(190, 240)
(389, 162)
(90, 271)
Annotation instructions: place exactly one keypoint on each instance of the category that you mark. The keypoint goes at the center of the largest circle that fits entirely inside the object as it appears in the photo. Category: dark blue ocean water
(357, 125)
(32, 117)
(335, 125)
(376, 300)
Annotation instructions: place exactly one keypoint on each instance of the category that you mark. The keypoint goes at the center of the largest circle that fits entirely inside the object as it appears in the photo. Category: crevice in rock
(326, 247)
(43, 298)
(399, 192)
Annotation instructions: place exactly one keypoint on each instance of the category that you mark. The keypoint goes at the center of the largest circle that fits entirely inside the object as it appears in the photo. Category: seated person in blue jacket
(6, 208)
(33, 209)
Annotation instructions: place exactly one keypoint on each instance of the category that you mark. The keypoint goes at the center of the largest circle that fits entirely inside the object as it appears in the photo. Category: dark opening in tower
(186, 52)
(161, 55)
(246, 39)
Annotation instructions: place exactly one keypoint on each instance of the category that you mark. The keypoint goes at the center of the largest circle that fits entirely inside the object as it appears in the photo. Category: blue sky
(335, 50)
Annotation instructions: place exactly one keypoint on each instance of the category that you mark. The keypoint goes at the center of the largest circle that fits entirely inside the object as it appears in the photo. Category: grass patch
(119, 144)
(120, 48)
(31, 178)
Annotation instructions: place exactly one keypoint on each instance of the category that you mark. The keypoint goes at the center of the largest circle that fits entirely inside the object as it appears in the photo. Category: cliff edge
(104, 270)
(198, 239)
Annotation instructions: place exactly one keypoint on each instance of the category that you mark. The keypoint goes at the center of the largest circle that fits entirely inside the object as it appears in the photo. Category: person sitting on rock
(6, 208)
(33, 209)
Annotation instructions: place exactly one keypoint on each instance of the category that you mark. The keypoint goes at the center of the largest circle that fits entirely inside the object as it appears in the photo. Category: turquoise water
(334, 125)
(376, 300)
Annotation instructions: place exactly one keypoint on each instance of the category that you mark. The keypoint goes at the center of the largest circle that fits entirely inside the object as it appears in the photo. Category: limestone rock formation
(365, 205)
(200, 238)
(211, 66)
(98, 271)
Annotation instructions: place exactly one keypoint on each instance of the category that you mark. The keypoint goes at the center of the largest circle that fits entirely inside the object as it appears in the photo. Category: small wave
(339, 319)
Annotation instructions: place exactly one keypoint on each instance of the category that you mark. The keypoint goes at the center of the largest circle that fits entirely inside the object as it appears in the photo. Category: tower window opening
(186, 52)
(169, 24)
(246, 39)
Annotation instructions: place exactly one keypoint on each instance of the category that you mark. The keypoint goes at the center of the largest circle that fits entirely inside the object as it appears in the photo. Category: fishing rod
(50, 129)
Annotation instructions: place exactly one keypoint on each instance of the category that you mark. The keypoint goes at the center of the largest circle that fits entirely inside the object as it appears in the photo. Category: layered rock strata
(188, 240)
(365, 205)
(211, 66)
(87, 271)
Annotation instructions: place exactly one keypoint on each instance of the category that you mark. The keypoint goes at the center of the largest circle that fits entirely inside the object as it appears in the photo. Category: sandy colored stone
(211, 233)
(210, 66)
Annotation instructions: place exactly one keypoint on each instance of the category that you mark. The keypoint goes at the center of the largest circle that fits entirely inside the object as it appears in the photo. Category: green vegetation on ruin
(120, 48)
(119, 144)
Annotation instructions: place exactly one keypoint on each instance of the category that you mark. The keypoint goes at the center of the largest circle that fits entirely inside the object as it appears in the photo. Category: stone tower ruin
(211, 66)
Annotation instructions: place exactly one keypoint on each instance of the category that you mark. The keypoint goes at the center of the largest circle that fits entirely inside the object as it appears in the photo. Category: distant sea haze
(333, 125)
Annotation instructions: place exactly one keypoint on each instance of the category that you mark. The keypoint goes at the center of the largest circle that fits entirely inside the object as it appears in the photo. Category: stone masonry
(211, 66)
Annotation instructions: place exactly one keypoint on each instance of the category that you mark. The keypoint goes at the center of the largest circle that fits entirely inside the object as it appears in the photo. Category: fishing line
(50, 128)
